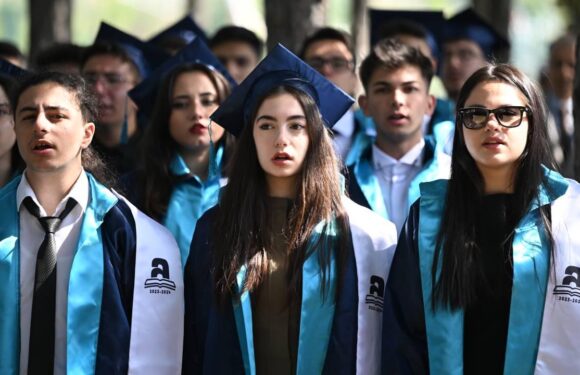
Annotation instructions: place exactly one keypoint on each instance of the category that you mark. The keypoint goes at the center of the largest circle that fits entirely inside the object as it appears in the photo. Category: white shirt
(395, 177)
(31, 237)
(343, 131)
(567, 107)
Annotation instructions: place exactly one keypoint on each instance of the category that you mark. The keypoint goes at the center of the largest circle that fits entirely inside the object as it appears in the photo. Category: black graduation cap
(432, 22)
(281, 67)
(197, 51)
(144, 55)
(185, 29)
(11, 70)
(470, 25)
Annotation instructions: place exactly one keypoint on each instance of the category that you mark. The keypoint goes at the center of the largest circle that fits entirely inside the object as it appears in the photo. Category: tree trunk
(50, 22)
(290, 22)
(497, 13)
(360, 29)
(576, 100)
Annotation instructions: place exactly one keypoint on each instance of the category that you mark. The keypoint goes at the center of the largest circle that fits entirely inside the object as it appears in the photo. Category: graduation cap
(145, 93)
(185, 30)
(13, 71)
(470, 25)
(281, 67)
(145, 56)
(430, 22)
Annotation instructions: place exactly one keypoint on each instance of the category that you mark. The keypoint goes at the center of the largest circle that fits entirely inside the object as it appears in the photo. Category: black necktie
(42, 322)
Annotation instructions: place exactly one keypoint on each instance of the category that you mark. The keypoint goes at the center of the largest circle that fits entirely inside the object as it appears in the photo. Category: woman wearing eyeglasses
(485, 277)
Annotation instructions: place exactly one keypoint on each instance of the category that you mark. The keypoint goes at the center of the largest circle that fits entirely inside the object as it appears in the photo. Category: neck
(5, 168)
(397, 150)
(51, 188)
(498, 180)
(109, 135)
(281, 187)
(197, 161)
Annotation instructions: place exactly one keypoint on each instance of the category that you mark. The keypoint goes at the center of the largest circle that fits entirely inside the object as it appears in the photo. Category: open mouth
(281, 156)
(40, 146)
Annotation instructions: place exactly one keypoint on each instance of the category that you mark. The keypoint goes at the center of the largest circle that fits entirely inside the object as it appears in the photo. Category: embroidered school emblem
(160, 282)
(376, 295)
(569, 291)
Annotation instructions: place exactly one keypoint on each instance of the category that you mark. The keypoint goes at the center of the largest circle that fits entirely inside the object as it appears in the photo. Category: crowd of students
(183, 206)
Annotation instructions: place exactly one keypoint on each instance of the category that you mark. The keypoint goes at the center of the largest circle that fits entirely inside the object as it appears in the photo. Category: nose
(492, 123)
(196, 111)
(41, 124)
(397, 98)
(281, 137)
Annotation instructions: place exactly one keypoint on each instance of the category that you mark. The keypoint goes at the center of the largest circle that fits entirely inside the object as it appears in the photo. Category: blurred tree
(50, 22)
(572, 9)
(289, 22)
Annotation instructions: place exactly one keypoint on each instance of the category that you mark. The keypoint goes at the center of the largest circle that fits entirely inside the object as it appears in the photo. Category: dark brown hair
(240, 237)
(159, 148)
(87, 103)
(457, 250)
(392, 54)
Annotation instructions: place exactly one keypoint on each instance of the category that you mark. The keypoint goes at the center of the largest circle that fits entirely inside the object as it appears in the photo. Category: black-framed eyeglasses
(507, 116)
(336, 63)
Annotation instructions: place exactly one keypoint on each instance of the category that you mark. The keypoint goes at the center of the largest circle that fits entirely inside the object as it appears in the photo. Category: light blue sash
(369, 185)
(316, 313)
(531, 264)
(9, 280)
(85, 285)
(189, 200)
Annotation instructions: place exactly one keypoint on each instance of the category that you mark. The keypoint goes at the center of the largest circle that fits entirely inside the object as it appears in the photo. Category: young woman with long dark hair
(285, 274)
(475, 284)
(180, 177)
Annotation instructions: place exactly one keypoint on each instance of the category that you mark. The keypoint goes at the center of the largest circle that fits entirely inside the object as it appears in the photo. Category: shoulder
(366, 222)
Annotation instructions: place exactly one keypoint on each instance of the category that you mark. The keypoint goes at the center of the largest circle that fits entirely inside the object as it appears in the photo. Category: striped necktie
(42, 322)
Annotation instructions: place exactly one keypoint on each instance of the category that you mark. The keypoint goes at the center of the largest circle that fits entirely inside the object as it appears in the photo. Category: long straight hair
(159, 148)
(456, 241)
(240, 236)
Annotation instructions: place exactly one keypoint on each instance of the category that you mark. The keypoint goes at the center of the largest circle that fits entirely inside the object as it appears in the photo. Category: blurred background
(31, 24)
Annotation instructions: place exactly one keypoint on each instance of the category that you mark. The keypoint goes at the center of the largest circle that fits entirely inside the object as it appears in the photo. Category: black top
(486, 320)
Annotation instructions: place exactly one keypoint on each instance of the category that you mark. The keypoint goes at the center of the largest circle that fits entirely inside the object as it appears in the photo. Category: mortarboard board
(432, 22)
(281, 67)
(197, 51)
(185, 29)
(469, 25)
(13, 71)
(144, 55)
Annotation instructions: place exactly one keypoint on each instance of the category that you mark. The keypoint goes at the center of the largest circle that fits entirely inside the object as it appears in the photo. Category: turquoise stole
(316, 314)
(85, 284)
(531, 260)
(189, 200)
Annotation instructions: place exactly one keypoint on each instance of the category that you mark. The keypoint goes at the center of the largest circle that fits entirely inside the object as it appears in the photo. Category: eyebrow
(272, 118)
(46, 108)
(186, 96)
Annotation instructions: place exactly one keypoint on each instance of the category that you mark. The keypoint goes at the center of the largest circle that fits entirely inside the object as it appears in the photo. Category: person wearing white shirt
(387, 174)
(89, 283)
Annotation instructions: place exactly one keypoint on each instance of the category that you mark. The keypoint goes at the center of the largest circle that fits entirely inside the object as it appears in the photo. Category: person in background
(469, 42)
(183, 152)
(560, 74)
(484, 275)
(391, 166)
(408, 27)
(330, 52)
(112, 66)
(60, 57)
(238, 49)
(11, 53)
(90, 285)
(285, 274)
